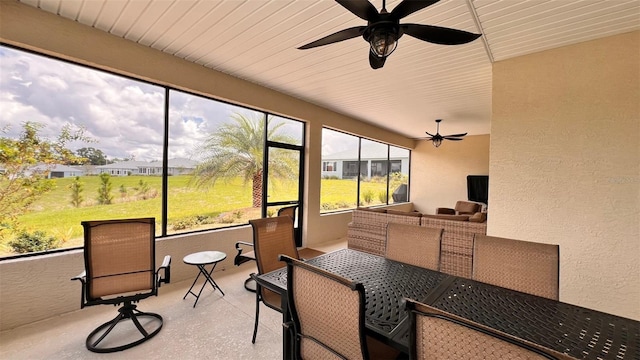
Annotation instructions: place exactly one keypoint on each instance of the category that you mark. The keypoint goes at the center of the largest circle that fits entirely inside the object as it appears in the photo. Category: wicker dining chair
(119, 257)
(271, 237)
(327, 312)
(415, 245)
(524, 266)
(437, 335)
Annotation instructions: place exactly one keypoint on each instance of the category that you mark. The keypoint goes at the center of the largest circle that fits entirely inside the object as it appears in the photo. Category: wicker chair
(524, 266)
(119, 257)
(271, 237)
(415, 245)
(437, 335)
(328, 313)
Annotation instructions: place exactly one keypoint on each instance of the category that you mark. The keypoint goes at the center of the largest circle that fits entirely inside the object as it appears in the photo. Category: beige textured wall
(565, 165)
(24, 281)
(439, 175)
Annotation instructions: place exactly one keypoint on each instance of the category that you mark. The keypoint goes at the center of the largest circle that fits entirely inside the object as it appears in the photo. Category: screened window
(367, 173)
(145, 151)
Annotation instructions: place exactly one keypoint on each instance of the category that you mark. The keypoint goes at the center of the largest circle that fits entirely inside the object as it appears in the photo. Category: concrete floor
(219, 327)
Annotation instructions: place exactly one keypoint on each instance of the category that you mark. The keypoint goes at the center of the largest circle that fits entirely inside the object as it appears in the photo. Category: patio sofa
(368, 227)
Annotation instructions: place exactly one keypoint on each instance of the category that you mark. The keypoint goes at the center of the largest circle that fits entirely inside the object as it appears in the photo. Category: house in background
(56, 171)
(373, 162)
(177, 166)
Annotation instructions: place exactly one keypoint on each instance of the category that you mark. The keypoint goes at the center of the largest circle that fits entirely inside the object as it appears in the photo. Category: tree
(20, 184)
(104, 191)
(76, 192)
(236, 150)
(92, 155)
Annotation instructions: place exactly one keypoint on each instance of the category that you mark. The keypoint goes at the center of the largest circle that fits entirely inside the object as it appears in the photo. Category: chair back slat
(524, 266)
(119, 256)
(415, 245)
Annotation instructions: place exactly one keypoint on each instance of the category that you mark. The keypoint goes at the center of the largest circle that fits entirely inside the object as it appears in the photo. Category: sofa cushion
(447, 217)
(465, 207)
(405, 213)
(478, 217)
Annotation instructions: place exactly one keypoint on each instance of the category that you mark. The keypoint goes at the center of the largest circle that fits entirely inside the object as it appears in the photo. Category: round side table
(202, 259)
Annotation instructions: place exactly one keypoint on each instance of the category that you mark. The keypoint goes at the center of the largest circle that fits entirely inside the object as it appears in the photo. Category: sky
(124, 117)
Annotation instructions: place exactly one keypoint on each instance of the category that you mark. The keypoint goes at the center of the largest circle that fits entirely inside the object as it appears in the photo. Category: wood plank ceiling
(256, 40)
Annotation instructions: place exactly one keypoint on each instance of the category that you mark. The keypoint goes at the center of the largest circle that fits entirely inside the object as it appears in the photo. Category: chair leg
(128, 311)
(255, 326)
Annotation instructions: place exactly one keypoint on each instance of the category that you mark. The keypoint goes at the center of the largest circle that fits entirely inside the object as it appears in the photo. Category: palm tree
(236, 150)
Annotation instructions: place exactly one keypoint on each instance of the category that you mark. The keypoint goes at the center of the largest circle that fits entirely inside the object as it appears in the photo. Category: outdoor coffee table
(201, 260)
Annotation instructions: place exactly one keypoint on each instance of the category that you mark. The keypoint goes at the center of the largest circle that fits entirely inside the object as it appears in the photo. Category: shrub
(185, 223)
(27, 242)
(328, 206)
(367, 196)
(382, 196)
(104, 191)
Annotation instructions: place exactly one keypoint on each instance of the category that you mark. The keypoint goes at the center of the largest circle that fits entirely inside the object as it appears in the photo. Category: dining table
(579, 332)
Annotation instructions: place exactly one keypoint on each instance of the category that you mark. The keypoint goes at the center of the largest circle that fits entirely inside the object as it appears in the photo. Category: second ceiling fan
(384, 29)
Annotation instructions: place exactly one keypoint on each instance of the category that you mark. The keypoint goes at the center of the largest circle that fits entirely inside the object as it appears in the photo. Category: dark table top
(580, 332)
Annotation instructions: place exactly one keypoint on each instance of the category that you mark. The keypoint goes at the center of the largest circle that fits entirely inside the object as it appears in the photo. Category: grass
(227, 203)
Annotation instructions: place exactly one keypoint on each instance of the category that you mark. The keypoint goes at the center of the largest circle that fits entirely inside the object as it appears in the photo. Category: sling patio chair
(415, 245)
(271, 237)
(119, 257)
(523, 266)
(245, 256)
(438, 335)
(327, 312)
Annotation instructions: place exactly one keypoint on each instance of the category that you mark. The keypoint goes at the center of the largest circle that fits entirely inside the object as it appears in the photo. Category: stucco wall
(565, 165)
(439, 175)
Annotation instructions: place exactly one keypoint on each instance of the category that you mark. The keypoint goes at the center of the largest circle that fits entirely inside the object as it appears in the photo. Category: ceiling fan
(384, 29)
(437, 138)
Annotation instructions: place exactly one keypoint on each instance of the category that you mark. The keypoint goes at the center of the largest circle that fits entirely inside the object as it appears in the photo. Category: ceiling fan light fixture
(383, 41)
(437, 142)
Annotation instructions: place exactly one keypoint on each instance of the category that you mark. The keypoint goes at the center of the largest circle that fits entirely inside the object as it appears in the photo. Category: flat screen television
(478, 188)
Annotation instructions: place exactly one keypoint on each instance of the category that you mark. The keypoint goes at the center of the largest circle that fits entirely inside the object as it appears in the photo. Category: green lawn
(189, 207)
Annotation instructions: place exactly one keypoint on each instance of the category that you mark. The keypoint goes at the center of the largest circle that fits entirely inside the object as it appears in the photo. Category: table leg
(207, 279)
(288, 341)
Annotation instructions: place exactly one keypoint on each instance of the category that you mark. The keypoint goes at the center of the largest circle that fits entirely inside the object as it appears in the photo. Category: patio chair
(415, 245)
(437, 335)
(271, 237)
(524, 266)
(119, 257)
(327, 312)
(245, 256)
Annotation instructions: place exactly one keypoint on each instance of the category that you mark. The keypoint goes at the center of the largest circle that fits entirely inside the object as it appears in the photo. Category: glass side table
(201, 260)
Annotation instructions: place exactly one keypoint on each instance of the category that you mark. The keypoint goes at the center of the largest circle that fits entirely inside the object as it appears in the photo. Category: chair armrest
(80, 276)
(240, 257)
(166, 270)
(445, 211)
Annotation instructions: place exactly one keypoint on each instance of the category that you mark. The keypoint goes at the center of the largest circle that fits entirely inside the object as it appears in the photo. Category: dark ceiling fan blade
(429, 134)
(409, 7)
(341, 35)
(438, 35)
(456, 135)
(360, 8)
(376, 62)
(454, 139)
